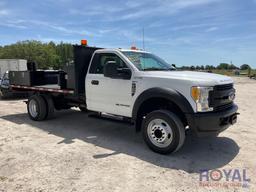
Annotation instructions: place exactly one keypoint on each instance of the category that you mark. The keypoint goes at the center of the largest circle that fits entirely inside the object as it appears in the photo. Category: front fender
(164, 93)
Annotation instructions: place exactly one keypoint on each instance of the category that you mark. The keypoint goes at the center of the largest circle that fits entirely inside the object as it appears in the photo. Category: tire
(37, 108)
(83, 109)
(50, 106)
(163, 131)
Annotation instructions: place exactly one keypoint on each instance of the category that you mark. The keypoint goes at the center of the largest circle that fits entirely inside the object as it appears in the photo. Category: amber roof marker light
(134, 48)
(84, 42)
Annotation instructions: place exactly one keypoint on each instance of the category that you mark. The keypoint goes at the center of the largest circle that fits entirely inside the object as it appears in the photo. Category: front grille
(223, 87)
(219, 97)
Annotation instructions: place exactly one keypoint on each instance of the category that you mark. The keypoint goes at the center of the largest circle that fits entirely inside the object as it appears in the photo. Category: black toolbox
(33, 78)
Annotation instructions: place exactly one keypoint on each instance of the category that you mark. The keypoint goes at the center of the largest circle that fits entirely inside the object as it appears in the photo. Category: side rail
(41, 89)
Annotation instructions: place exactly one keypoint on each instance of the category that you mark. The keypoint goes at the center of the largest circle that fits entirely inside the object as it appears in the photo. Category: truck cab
(135, 83)
(160, 101)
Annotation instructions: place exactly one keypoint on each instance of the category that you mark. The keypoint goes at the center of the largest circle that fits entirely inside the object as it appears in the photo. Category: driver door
(106, 94)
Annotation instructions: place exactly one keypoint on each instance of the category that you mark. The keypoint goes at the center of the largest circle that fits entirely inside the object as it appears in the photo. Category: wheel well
(157, 103)
(59, 101)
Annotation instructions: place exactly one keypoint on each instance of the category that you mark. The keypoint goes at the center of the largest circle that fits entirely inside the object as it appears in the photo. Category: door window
(100, 60)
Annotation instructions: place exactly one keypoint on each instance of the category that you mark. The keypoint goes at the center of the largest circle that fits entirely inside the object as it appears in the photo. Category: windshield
(147, 61)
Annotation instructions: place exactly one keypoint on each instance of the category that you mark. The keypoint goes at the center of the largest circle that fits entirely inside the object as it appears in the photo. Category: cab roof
(122, 50)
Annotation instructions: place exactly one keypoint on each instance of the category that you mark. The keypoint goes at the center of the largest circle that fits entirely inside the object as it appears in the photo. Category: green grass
(232, 73)
(223, 72)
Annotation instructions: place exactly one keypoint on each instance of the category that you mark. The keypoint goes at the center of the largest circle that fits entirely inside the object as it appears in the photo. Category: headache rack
(70, 80)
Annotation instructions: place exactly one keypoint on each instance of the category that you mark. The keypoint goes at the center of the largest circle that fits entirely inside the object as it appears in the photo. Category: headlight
(201, 96)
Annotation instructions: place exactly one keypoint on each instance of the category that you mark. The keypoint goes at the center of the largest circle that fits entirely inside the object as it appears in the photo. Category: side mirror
(112, 70)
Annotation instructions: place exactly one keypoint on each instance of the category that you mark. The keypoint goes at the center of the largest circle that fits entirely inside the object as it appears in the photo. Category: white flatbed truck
(135, 85)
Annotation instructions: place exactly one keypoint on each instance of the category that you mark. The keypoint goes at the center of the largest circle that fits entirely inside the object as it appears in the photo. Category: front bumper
(212, 123)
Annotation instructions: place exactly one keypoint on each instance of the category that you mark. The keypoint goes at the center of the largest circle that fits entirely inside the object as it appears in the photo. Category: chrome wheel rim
(33, 108)
(160, 133)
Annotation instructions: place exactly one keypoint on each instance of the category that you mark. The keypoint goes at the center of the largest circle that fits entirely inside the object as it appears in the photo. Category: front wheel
(163, 131)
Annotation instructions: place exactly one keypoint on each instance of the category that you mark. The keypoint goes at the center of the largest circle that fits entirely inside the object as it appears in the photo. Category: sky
(183, 32)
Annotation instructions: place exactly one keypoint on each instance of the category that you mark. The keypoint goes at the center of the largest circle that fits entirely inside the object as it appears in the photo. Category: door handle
(95, 82)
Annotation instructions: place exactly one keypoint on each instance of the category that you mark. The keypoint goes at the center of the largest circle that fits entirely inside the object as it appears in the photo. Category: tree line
(221, 66)
(45, 55)
(55, 56)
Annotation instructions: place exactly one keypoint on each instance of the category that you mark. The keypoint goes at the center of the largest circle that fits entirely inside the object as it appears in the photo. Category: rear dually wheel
(37, 108)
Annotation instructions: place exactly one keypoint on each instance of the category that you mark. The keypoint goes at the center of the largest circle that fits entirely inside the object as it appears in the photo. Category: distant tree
(223, 66)
(46, 55)
(232, 67)
(185, 68)
(65, 51)
(245, 67)
(207, 67)
(1, 51)
(212, 67)
(192, 68)
(197, 67)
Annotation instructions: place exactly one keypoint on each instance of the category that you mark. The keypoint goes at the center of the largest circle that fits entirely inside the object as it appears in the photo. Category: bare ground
(74, 152)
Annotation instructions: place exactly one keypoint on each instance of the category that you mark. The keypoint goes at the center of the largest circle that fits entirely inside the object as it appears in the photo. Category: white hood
(199, 78)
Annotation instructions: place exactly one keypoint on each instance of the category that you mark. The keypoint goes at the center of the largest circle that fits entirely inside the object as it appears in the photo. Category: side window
(100, 59)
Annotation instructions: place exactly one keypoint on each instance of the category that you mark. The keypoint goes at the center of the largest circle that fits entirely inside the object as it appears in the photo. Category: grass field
(232, 73)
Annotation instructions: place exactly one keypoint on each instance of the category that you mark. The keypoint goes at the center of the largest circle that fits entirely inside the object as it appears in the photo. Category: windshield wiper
(155, 69)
